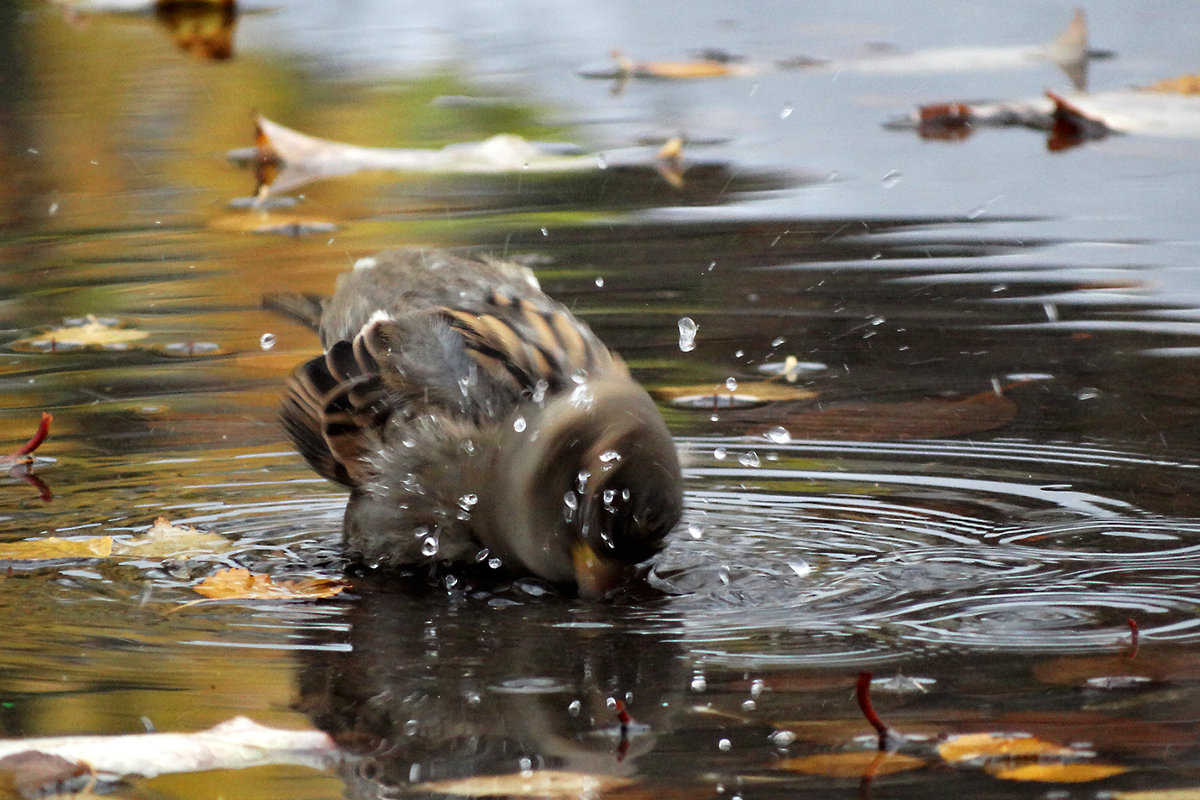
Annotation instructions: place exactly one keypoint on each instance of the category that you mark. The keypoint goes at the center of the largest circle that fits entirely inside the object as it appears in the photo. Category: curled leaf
(242, 584)
(165, 540)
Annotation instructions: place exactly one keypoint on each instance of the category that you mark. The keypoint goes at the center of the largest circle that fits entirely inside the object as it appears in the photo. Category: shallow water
(996, 469)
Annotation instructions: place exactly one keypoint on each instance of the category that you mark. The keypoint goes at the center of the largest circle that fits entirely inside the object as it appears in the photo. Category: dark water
(997, 468)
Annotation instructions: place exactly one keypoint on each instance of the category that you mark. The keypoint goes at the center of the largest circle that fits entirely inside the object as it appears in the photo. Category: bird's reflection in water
(444, 687)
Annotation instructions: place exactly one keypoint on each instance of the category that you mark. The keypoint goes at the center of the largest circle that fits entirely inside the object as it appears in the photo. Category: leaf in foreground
(548, 783)
(242, 584)
(1054, 772)
(857, 764)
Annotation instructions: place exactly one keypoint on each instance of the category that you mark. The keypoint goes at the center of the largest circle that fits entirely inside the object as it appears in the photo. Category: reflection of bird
(476, 419)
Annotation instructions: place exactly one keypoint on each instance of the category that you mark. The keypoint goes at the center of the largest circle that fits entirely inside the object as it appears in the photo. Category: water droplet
(1051, 311)
(800, 567)
(695, 531)
(429, 547)
(723, 574)
(525, 764)
(977, 212)
(756, 687)
(582, 397)
(600, 283)
(539, 391)
(720, 453)
(481, 555)
(519, 424)
(749, 705)
(574, 708)
(611, 703)
(468, 500)
(779, 435)
(410, 728)
(451, 581)
(699, 684)
(724, 745)
(473, 698)
(601, 161)
(749, 459)
(786, 111)
(495, 563)
(782, 738)
(891, 179)
(687, 334)
(266, 341)
(571, 500)
(739, 353)
(610, 455)
(731, 384)
(545, 232)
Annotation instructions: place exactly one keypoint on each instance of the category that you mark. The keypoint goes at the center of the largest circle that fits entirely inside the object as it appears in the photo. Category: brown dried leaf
(547, 783)
(857, 764)
(52, 547)
(972, 746)
(1054, 772)
(242, 584)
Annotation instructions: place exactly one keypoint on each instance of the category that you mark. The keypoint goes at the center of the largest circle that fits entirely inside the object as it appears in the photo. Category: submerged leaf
(242, 584)
(165, 540)
(972, 746)
(542, 783)
(52, 548)
(857, 764)
(1054, 772)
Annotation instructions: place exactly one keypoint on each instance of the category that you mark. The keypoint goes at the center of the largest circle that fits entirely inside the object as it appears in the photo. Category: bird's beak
(596, 575)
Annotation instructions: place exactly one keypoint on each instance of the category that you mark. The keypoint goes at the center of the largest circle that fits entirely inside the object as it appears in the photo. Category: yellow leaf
(545, 783)
(858, 764)
(92, 333)
(747, 393)
(53, 547)
(242, 584)
(971, 746)
(165, 540)
(1183, 84)
(1159, 794)
(1070, 772)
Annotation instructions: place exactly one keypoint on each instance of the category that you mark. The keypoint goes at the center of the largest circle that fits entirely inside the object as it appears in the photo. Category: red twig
(863, 694)
(34, 443)
(624, 718)
(1133, 637)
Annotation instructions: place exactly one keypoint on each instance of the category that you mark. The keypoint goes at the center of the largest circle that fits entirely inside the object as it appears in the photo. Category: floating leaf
(1054, 772)
(52, 548)
(543, 783)
(857, 764)
(972, 746)
(242, 584)
(1183, 84)
(165, 540)
(1159, 794)
(710, 395)
(87, 333)
(928, 418)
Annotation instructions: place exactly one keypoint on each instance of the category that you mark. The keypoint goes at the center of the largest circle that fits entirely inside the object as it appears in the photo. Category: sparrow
(474, 419)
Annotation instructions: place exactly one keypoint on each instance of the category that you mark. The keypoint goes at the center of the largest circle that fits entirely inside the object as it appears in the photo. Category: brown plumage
(475, 418)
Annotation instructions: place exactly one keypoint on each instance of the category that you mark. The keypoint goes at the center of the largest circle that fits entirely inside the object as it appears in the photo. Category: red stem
(33, 444)
(1133, 637)
(863, 694)
(623, 715)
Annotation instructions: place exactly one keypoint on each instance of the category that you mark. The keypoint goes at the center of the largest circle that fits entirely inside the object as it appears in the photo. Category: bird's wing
(518, 343)
(471, 365)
